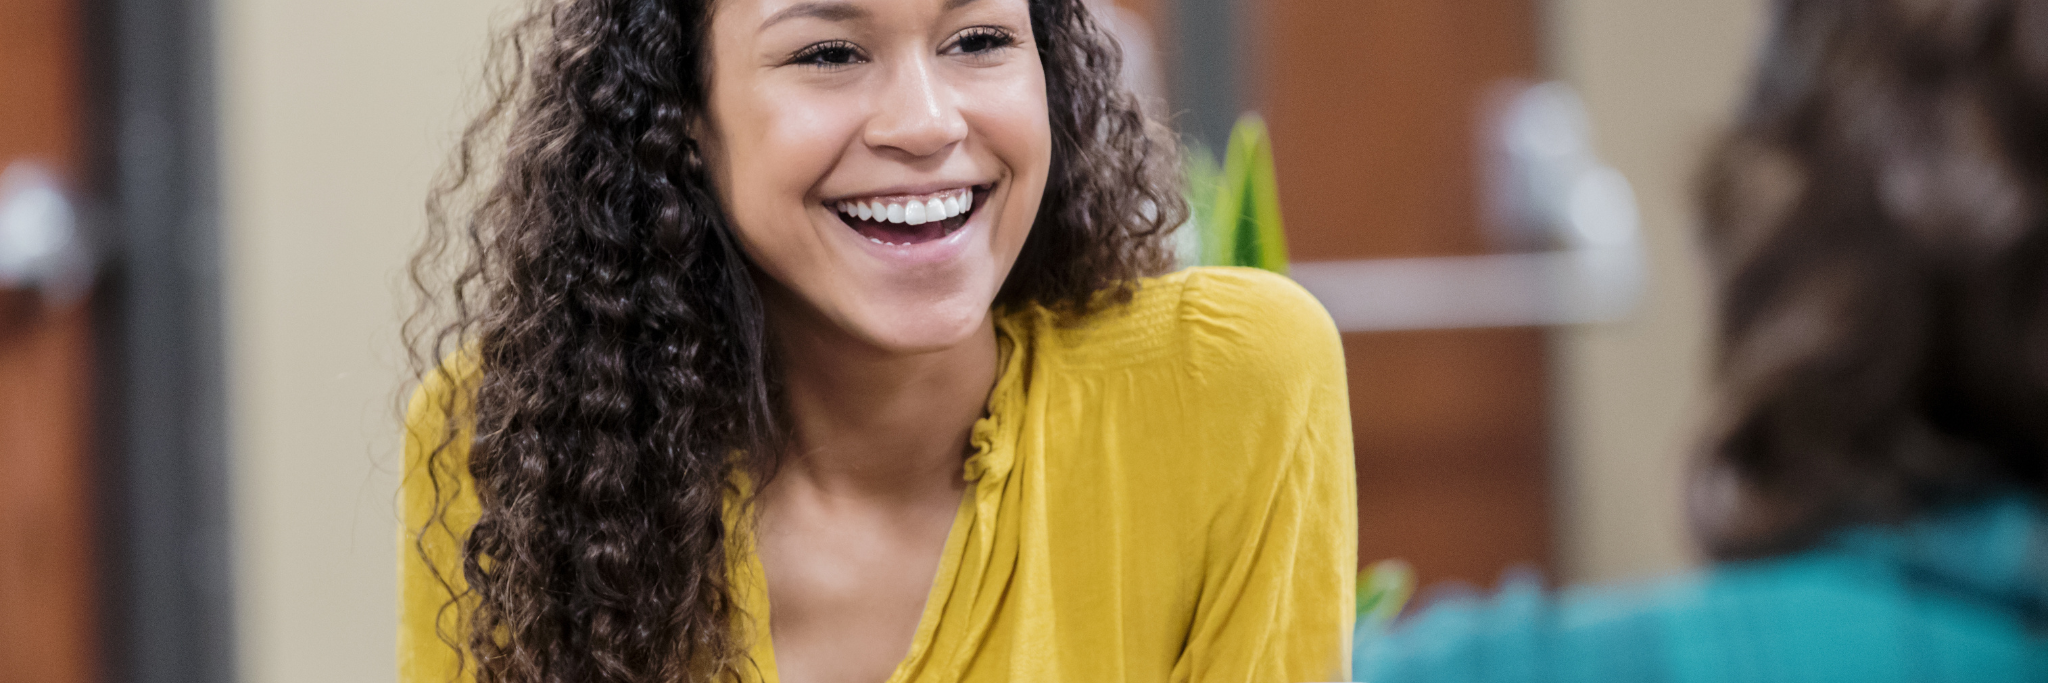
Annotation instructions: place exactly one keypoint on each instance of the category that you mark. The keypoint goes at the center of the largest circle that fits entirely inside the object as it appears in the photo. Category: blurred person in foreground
(1871, 488)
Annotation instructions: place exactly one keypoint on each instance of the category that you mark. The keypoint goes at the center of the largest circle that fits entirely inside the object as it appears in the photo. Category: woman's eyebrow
(837, 10)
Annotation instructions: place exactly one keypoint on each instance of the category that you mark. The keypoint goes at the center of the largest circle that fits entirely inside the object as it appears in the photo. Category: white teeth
(950, 205)
(876, 241)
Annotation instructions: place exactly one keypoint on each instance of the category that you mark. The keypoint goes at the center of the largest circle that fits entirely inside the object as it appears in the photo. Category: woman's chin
(924, 327)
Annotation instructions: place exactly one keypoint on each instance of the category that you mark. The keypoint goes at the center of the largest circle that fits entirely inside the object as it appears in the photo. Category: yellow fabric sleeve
(430, 569)
(1278, 605)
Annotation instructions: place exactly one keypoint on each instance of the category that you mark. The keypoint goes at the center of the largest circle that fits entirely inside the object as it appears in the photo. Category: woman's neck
(878, 425)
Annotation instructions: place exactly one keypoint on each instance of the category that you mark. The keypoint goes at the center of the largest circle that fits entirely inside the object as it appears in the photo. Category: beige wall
(334, 115)
(1660, 77)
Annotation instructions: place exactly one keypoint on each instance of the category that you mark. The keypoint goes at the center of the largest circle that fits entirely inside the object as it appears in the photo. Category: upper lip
(910, 190)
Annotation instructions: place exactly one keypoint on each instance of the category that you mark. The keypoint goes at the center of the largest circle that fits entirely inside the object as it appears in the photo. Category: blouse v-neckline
(993, 441)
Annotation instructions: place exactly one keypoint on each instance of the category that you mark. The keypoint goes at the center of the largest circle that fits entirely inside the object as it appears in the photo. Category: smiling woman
(828, 341)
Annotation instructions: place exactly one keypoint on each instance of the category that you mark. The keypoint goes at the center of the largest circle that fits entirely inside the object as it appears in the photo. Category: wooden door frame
(168, 593)
(1433, 464)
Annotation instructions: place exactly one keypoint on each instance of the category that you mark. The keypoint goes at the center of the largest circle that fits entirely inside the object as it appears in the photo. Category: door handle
(43, 251)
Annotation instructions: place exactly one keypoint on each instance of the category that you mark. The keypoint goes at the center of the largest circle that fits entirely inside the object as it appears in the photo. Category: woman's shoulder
(438, 506)
(1220, 319)
(1234, 301)
(438, 429)
(1237, 369)
(443, 395)
(1256, 318)
(1844, 615)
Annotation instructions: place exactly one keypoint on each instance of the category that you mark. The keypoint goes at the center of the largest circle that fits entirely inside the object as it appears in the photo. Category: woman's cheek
(806, 136)
(795, 143)
(1012, 116)
(1015, 112)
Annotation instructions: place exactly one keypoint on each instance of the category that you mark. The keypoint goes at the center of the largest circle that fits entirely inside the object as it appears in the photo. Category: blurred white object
(1545, 188)
(41, 248)
(1509, 290)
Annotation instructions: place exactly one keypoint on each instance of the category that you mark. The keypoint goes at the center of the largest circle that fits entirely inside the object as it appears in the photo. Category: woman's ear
(702, 149)
(702, 132)
(696, 126)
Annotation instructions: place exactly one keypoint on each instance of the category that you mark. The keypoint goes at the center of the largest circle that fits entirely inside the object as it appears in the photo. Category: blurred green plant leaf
(1383, 589)
(1241, 225)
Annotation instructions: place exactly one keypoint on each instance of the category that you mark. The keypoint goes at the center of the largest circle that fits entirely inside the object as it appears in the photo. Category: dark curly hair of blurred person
(577, 251)
(1879, 219)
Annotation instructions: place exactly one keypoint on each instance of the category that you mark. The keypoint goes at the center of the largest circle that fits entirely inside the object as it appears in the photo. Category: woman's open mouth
(904, 220)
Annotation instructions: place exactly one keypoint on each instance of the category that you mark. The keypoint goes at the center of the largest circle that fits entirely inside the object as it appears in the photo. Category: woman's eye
(982, 41)
(831, 54)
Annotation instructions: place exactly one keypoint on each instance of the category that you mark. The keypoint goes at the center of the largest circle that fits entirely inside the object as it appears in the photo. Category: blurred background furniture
(114, 534)
(49, 597)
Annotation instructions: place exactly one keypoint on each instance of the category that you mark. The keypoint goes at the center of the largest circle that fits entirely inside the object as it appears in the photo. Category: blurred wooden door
(1375, 108)
(47, 578)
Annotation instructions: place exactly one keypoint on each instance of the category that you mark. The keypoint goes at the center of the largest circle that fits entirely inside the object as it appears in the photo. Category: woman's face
(882, 160)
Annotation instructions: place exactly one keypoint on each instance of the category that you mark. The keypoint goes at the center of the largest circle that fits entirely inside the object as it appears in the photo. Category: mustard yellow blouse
(1161, 493)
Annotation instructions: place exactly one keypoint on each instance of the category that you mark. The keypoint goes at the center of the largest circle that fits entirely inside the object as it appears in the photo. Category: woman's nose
(918, 116)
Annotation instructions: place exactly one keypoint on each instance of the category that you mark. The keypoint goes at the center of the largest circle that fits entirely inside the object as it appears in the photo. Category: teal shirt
(1958, 596)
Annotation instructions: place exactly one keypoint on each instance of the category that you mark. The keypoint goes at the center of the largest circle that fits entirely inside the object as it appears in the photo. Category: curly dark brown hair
(1879, 223)
(622, 377)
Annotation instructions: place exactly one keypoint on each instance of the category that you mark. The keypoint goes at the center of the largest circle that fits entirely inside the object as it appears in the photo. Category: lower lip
(922, 253)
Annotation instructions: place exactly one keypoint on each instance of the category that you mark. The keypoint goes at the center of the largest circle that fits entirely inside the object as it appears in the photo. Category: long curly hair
(578, 257)
(1878, 219)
